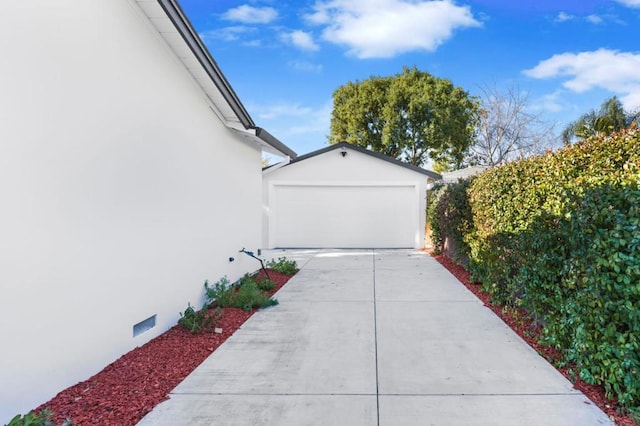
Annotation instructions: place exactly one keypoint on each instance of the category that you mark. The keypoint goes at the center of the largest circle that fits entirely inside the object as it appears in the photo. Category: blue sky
(285, 58)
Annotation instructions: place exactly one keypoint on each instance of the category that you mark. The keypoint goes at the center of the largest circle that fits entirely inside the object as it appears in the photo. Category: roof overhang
(267, 142)
(170, 21)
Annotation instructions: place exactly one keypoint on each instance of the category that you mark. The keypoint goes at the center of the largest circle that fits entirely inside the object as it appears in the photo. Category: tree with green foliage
(411, 116)
(612, 117)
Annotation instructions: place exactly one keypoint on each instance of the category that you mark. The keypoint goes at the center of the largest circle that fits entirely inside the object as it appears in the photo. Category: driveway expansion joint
(273, 394)
(375, 337)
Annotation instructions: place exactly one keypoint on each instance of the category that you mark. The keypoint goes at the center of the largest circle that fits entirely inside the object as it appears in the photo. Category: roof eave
(429, 173)
(183, 25)
(233, 113)
(275, 143)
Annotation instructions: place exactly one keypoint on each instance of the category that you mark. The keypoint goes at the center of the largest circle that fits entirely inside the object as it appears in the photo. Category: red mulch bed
(127, 389)
(519, 321)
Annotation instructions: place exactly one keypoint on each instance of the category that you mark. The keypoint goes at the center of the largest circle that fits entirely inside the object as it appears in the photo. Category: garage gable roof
(170, 21)
(344, 145)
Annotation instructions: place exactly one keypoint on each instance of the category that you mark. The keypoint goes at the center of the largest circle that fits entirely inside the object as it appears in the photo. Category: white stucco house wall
(344, 196)
(130, 173)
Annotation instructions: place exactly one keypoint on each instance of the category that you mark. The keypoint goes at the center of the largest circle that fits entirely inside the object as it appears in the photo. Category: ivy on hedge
(559, 236)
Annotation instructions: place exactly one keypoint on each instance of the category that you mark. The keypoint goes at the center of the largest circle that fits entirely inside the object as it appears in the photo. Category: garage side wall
(331, 190)
(121, 192)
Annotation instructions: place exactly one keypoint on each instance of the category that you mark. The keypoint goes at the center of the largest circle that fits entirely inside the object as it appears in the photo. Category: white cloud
(630, 3)
(305, 66)
(316, 121)
(253, 43)
(385, 28)
(281, 109)
(594, 19)
(304, 128)
(611, 70)
(551, 102)
(563, 17)
(226, 34)
(251, 15)
(631, 101)
(320, 14)
(300, 39)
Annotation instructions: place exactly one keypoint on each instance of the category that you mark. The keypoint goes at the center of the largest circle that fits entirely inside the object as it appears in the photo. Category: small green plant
(32, 419)
(43, 418)
(283, 265)
(245, 295)
(198, 321)
(634, 413)
(266, 284)
(249, 296)
(220, 293)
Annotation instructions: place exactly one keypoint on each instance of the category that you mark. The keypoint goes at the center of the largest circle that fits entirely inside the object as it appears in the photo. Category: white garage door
(349, 216)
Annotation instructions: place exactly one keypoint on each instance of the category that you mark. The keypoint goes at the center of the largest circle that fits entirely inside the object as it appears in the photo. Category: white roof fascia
(160, 20)
(173, 26)
(276, 166)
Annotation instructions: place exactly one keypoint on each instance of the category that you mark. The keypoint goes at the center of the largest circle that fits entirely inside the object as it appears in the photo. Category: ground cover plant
(127, 389)
(199, 321)
(283, 265)
(43, 418)
(249, 293)
(557, 237)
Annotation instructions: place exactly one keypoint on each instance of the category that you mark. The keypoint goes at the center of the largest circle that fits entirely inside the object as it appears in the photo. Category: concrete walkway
(371, 337)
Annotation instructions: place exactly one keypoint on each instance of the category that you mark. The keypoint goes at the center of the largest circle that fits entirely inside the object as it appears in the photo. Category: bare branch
(506, 130)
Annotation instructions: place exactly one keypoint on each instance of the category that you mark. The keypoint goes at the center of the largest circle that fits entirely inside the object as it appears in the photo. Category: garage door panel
(344, 216)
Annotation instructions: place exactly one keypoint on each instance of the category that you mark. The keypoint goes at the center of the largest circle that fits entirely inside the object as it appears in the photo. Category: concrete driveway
(374, 337)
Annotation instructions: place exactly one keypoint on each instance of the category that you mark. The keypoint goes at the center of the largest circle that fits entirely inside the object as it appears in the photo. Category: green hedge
(449, 215)
(559, 236)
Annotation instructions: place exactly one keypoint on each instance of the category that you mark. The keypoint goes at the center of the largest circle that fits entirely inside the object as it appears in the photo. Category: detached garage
(344, 196)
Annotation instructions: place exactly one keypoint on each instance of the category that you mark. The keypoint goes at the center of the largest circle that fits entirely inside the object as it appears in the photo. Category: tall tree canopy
(411, 116)
(611, 117)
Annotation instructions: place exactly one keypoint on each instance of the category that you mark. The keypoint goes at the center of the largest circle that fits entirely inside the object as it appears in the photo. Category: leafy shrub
(600, 328)
(266, 284)
(634, 413)
(450, 219)
(559, 235)
(433, 199)
(198, 321)
(283, 265)
(249, 296)
(514, 239)
(246, 295)
(43, 418)
(220, 292)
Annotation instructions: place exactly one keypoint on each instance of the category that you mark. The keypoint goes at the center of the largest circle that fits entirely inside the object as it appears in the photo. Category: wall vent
(143, 326)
